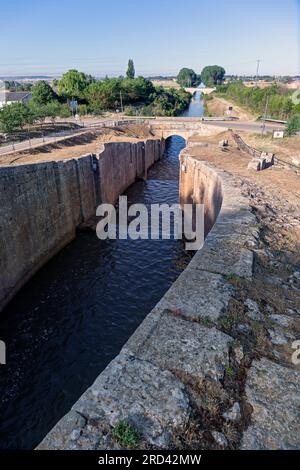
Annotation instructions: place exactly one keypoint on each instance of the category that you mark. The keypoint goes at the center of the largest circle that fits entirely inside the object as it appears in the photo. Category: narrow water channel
(74, 316)
(196, 107)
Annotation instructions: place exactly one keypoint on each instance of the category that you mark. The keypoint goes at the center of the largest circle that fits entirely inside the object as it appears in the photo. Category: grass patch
(125, 434)
(235, 344)
(206, 322)
(234, 279)
(229, 372)
(227, 323)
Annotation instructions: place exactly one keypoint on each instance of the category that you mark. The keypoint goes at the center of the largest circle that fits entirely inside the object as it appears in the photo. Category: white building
(8, 97)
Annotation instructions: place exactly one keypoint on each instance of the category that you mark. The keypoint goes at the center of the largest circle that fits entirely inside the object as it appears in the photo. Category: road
(249, 126)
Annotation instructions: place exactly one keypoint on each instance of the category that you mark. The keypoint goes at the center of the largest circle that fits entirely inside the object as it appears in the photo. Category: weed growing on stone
(125, 434)
(234, 279)
(206, 322)
(235, 344)
(229, 372)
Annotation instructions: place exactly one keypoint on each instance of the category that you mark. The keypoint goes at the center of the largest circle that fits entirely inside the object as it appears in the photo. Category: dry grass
(218, 107)
(284, 148)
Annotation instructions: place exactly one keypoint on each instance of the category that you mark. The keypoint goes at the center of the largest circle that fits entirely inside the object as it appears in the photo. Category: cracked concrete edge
(235, 210)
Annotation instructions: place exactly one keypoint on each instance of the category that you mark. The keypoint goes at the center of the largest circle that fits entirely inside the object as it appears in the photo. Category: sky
(161, 36)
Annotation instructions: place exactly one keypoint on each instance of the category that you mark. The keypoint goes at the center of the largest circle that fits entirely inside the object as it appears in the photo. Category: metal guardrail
(122, 122)
(276, 121)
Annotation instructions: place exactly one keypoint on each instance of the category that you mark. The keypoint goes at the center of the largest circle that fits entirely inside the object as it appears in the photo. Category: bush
(82, 110)
(293, 126)
(280, 105)
(13, 117)
(130, 111)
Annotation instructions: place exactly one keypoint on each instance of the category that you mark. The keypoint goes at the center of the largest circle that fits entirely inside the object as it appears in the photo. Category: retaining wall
(41, 205)
(147, 384)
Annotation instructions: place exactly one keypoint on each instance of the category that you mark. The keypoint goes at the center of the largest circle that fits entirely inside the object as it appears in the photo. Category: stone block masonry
(43, 204)
(180, 360)
(180, 342)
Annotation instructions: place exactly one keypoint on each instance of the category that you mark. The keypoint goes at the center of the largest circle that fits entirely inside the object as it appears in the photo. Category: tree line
(84, 94)
(210, 76)
(274, 101)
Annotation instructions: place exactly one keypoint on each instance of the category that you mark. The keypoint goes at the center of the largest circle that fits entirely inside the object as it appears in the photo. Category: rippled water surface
(73, 317)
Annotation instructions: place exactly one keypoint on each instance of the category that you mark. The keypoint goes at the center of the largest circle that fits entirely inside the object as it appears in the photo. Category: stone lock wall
(147, 383)
(41, 205)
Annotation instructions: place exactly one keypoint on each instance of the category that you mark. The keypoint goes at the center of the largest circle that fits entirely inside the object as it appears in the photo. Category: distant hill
(26, 77)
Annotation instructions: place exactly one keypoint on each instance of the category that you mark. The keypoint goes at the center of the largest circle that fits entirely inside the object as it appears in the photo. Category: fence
(253, 152)
(58, 136)
(245, 147)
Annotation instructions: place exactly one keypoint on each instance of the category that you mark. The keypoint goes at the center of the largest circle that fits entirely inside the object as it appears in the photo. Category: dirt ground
(283, 148)
(269, 329)
(73, 147)
(278, 182)
(166, 83)
(218, 107)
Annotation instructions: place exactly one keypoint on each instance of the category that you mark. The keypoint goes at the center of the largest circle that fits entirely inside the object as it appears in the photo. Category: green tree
(137, 90)
(188, 78)
(73, 84)
(13, 117)
(164, 102)
(54, 109)
(42, 93)
(130, 70)
(293, 125)
(39, 112)
(51, 110)
(279, 101)
(212, 75)
(104, 94)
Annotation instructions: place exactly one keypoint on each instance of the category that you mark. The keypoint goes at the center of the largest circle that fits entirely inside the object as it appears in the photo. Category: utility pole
(265, 117)
(121, 99)
(257, 70)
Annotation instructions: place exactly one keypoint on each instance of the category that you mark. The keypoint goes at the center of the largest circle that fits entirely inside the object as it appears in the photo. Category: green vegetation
(125, 434)
(107, 94)
(276, 100)
(130, 70)
(137, 95)
(212, 75)
(13, 117)
(293, 125)
(16, 116)
(42, 93)
(229, 372)
(12, 85)
(73, 85)
(188, 78)
(234, 279)
(164, 102)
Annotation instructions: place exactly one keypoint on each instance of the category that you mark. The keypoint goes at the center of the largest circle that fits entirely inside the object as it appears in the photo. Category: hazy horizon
(51, 37)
